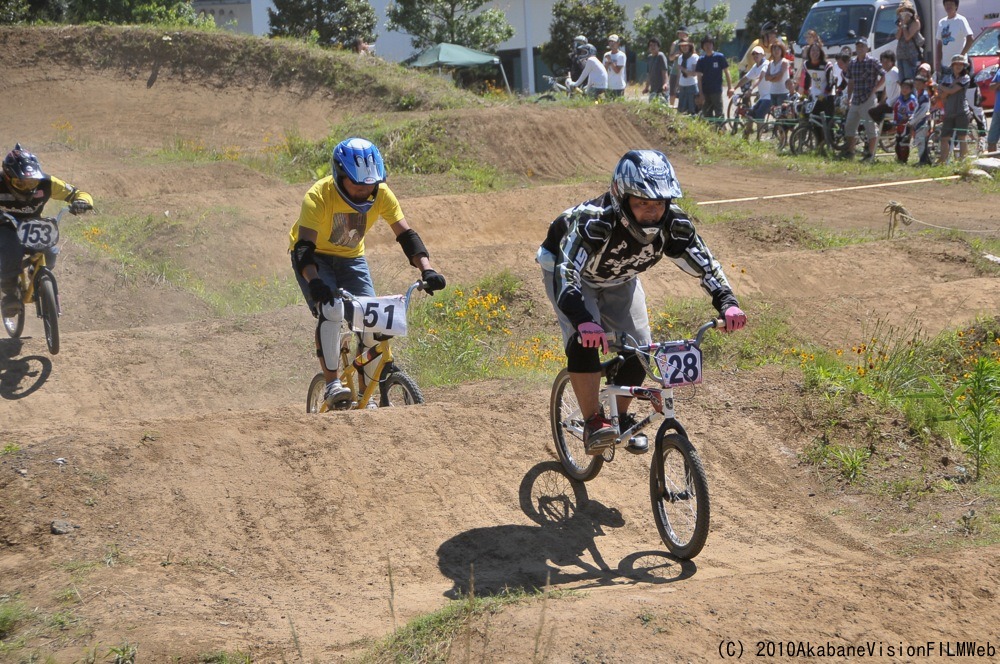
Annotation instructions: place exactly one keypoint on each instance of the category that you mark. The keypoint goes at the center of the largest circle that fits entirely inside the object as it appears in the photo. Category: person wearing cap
(902, 110)
(656, 72)
(919, 123)
(614, 62)
(753, 74)
(711, 68)
(768, 36)
(864, 76)
(672, 55)
(955, 121)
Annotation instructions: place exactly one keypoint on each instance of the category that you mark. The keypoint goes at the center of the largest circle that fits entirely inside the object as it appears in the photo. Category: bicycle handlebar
(419, 284)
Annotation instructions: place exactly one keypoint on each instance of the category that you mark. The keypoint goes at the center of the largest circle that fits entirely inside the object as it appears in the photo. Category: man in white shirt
(614, 62)
(953, 36)
(595, 75)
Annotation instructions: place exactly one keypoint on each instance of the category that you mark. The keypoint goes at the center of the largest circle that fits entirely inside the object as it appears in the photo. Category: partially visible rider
(327, 245)
(24, 191)
(591, 260)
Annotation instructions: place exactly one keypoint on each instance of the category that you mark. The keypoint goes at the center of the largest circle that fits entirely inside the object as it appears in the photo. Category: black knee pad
(580, 359)
(631, 372)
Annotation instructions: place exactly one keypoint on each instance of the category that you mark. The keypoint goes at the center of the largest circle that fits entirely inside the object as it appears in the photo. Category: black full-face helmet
(22, 172)
(644, 174)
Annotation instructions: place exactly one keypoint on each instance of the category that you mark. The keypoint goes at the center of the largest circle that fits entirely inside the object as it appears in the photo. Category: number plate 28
(679, 364)
(381, 315)
(38, 234)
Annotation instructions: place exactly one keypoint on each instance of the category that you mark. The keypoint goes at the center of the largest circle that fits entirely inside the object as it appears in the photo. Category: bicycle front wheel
(679, 493)
(802, 140)
(398, 389)
(49, 311)
(567, 432)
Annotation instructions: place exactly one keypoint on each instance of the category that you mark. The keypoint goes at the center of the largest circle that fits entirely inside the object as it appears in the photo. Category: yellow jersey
(341, 229)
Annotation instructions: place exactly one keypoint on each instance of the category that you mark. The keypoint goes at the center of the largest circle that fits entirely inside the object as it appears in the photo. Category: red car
(985, 56)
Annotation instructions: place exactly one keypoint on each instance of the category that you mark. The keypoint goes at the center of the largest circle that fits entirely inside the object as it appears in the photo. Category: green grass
(12, 612)
(131, 242)
(223, 657)
(10, 448)
(429, 638)
(474, 332)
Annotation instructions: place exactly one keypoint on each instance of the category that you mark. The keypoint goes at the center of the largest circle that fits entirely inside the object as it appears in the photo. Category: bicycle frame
(33, 266)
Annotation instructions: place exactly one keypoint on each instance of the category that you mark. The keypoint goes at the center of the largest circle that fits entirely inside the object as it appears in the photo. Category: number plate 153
(381, 315)
(679, 365)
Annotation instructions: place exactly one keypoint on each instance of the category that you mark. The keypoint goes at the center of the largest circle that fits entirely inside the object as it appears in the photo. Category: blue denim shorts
(351, 274)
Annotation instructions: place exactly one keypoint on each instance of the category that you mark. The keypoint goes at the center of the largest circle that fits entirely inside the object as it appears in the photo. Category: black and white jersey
(591, 247)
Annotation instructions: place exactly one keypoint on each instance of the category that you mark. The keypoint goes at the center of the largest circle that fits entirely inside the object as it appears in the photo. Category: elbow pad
(412, 245)
(303, 254)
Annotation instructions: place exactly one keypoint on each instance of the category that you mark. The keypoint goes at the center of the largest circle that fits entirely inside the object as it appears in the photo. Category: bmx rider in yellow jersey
(327, 245)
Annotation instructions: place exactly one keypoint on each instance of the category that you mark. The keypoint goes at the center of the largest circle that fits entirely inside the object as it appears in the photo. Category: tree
(594, 19)
(13, 11)
(47, 10)
(789, 15)
(132, 11)
(430, 22)
(684, 13)
(329, 21)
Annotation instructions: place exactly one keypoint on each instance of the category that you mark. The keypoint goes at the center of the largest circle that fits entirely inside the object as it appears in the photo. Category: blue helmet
(360, 162)
(644, 174)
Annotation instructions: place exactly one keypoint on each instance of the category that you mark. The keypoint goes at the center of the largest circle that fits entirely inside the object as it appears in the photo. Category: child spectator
(994, 135)
(889, 93)
(902, 110)
(955, 122)
(712, 67)
(919, 120)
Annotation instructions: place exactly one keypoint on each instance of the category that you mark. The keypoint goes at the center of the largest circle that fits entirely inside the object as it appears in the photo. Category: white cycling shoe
(336, 395)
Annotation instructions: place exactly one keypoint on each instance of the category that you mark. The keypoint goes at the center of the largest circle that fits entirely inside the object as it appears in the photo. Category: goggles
(24, 184)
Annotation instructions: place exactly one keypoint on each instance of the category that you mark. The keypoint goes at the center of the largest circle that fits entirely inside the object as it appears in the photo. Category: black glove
(319, 291)
(79, 207)
(432, 280)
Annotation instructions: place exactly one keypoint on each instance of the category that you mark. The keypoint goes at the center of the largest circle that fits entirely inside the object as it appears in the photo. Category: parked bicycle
(678, 487)
(559, 86)
(385, 317)
(37, 283)
(803, 138)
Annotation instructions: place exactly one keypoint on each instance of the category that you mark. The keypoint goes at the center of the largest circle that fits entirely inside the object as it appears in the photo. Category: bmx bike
(385, 317)
(36, 282)
(678, 487)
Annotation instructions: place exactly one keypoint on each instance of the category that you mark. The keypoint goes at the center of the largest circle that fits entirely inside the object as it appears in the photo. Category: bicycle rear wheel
(48, 308)
(314, 398)
(679, 493)
(398, 389)
(802, 140)
(567, 432)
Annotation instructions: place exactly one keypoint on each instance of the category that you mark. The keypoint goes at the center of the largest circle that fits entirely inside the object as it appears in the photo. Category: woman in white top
(687, 88)
(776, 76)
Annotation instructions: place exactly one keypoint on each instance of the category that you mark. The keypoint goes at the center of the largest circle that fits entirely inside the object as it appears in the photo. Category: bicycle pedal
(637, 444)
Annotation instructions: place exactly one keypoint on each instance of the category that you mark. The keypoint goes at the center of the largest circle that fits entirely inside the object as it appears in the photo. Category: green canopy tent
(452, 55)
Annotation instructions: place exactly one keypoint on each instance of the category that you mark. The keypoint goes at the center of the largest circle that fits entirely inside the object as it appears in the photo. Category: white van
(835, 20)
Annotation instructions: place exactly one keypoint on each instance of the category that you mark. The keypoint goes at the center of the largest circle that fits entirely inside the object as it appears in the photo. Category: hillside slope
(209, 512)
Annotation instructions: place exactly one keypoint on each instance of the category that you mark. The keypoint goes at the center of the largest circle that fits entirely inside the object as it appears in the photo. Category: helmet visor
(24, 184)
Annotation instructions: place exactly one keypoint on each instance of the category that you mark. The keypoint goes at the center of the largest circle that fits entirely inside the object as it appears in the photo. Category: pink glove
(592, 336)
(735, 319)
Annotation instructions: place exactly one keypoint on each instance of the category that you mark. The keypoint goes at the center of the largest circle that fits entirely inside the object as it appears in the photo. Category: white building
(248, 16)
(530, 18)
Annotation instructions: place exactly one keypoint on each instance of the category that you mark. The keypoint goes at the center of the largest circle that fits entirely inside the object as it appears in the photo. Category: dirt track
(234, 520)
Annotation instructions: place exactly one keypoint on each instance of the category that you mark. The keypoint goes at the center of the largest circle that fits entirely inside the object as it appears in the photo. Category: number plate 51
(679, 364)
(381, 315)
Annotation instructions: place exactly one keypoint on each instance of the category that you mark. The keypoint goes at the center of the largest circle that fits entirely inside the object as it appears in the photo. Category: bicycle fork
(661, 400)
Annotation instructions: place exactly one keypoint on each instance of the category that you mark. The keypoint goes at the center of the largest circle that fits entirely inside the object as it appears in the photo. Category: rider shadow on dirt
(491, 560)
(21, 376)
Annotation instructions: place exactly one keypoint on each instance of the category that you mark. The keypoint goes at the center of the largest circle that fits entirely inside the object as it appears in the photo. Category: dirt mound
(207, 511)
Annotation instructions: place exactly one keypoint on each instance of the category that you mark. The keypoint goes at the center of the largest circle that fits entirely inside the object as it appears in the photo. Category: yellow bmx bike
(386, 318)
